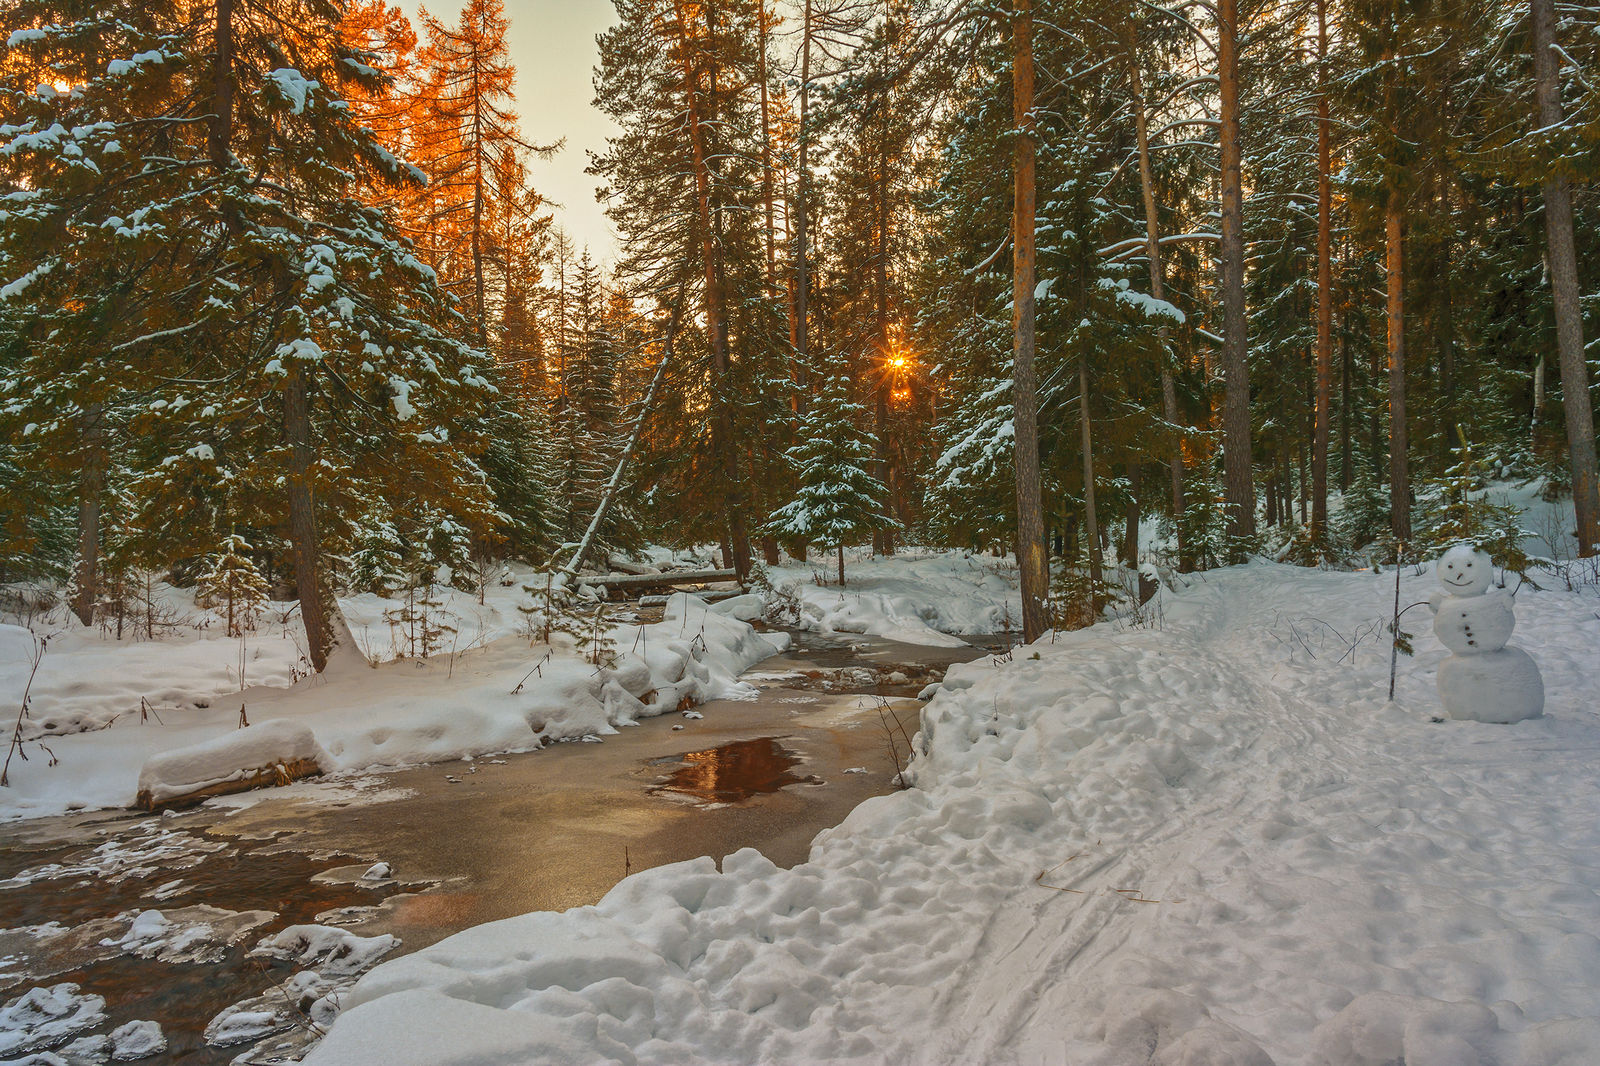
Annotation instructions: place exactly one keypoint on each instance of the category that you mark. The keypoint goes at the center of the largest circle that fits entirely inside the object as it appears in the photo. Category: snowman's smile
(1463, 582)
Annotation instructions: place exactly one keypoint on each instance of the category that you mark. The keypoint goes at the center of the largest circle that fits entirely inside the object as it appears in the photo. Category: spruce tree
(838, 501)
(234, 586)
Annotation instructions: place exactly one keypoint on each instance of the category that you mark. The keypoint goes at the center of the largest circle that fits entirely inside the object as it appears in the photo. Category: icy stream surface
(235, 927)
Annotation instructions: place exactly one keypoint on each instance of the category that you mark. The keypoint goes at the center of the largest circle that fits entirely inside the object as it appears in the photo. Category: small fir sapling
(234, 586)
(1456, 509)
(551, 609)
(378, 563)
(420, 620)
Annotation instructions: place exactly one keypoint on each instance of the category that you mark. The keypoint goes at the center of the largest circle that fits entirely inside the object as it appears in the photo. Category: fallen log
(670, 579)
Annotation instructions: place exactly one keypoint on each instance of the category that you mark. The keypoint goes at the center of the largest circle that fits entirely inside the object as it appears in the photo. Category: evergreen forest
(281, 305)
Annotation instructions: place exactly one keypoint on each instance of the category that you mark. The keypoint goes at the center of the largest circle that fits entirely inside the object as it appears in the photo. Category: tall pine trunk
(1152, 229)
(1025, 385)
(1322, 405)
(1563, 262)
(722, 433)
(1399, 465)
(220, 133)
(325, 626)
(1091, 516)
(763, 33)
(882, 539)
(801, 207)
(91, 492)
(1238, 487)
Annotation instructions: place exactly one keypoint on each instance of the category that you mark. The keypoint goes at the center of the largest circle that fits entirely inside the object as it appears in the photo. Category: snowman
(1483, 680)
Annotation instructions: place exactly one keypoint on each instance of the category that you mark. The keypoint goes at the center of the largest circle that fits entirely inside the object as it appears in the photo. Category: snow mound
(915, 597)
(44, 1016)
(268, 753)
(333, 951)
(137, 1040)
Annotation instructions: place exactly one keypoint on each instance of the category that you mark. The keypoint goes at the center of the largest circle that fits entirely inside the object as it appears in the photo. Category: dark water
(470, 841)
(732, 772)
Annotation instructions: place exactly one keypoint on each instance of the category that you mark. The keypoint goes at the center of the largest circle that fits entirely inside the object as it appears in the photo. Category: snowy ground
(1208, 841)
(917, 597)
(101, 707)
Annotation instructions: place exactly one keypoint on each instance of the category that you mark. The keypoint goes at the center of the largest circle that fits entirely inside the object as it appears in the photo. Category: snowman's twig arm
(1420, 603)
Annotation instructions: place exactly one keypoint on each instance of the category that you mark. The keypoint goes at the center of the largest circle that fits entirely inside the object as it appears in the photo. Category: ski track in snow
(1335, 880)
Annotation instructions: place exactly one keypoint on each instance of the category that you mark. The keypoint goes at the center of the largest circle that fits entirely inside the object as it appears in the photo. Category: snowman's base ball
(1498, 686)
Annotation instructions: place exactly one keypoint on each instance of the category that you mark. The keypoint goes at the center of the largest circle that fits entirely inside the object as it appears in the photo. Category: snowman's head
(1465, 571)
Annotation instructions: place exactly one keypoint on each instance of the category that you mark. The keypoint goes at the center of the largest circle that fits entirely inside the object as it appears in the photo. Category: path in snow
(1249, 857)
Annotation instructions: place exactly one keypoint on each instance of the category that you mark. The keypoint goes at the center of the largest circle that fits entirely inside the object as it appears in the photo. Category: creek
(467, 842)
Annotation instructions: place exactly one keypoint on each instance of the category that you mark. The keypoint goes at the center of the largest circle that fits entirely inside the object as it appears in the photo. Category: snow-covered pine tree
(200, 254)
(378, 560)
(234, 586)
(838, 501)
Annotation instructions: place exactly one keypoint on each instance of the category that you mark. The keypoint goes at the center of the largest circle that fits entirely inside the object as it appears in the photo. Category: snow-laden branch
(1133, 244)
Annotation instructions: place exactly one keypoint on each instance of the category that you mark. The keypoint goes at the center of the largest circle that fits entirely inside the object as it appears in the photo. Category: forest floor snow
(1209, 841)
(915, 597)
(102, 707)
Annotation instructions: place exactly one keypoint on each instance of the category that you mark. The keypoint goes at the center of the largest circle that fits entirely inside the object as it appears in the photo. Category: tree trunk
(1030, 510)
(1564, 289)
(221, 131)
(841, 565)
(1346, 413)
(801, 208)
(325, 626)
(882, 540)
(1399, 466)
(1323, 402)
(477, 205)
(610, 492)
(1130, 531)
(1152, 229)
(1091, 518)
(91, 489)
(1238, 488)
(722, 433)
(763, 32)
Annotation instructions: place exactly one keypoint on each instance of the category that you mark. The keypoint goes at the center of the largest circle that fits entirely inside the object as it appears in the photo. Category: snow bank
(915, 597)
(268, 753)
(493, 692)
(1214, 844)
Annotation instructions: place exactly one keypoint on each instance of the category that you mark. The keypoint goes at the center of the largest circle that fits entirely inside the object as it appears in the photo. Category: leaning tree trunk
(1564, 288)
(1238, 488)
(1025, 385)
(609, 495)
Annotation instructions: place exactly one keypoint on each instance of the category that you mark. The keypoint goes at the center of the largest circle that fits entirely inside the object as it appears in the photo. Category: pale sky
(552, 45)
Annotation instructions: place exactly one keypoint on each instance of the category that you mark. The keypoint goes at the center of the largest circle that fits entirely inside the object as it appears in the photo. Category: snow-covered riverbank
(101, 707)
(1212, 842)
